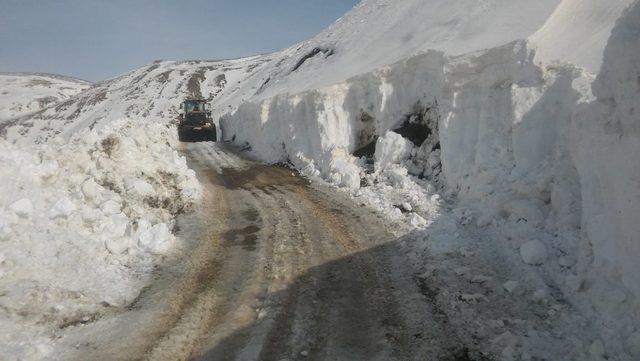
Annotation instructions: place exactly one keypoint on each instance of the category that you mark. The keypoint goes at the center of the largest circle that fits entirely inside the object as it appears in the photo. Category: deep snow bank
(606, 140)
(513, 139)
(80, 223)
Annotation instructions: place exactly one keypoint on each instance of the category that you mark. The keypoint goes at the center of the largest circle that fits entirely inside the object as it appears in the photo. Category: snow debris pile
(81, 222)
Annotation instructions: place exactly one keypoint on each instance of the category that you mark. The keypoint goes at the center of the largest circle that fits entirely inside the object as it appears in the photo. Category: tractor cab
(195, 123)
(195, 106)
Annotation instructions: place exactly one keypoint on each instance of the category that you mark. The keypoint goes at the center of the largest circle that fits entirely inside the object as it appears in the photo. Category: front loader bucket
(189, 134)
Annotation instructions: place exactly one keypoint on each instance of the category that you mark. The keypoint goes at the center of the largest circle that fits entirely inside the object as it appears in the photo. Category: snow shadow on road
(358, 307)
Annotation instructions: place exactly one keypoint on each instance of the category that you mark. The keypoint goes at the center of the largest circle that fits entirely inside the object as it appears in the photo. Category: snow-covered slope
(22, 93)
(380, 32)
(578, 31)
(154, 92)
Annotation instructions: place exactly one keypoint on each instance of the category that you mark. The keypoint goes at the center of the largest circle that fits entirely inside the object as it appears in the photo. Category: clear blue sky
(99, 39)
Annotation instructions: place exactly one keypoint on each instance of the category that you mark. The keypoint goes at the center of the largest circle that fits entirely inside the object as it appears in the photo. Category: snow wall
(522, 141)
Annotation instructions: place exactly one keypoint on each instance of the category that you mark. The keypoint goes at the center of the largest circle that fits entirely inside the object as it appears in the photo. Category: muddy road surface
(278, 268)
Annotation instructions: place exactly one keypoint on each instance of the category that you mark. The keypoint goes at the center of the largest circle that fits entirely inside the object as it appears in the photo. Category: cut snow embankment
(534, 160)
(82, 224)
(606, 143)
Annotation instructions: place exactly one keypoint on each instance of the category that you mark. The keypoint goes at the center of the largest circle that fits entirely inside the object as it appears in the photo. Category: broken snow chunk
(140, 187)
(397, 176)
(510, 286)
(505, 338)
(5, 231)
(156, 240)
(484, 220)
(509, 342)
(344, 173)
(63, 208)
(117, 246)
(540, 296)
(392, 148)
(110, 207)
(91, 189)
(406, 207)
(416, 221)
(47, 169)
(566, 261)
(22, 208)
(533, 252)
(461, 271)
(116, 225)
(475, 297)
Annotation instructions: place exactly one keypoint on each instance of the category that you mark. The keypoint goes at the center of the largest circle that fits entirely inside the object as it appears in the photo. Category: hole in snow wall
(343, 119)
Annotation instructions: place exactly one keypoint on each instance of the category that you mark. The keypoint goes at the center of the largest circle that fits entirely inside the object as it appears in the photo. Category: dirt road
(278, 269)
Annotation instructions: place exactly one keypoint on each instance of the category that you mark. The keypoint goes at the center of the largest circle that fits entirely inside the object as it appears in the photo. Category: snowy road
(281, 268)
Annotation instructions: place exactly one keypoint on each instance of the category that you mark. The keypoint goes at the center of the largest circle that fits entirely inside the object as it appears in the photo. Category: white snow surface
(23, 93)
(80, 224)
(577, 32)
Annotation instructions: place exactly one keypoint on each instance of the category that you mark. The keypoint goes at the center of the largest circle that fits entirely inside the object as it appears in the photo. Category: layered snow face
(313, 129)
(23, 93)
(82, 224)
(606, 139)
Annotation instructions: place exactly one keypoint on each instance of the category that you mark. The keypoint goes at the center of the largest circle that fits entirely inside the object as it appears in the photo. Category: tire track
(279, 269)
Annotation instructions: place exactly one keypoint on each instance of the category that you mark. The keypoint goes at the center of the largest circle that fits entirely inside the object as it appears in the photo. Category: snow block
(63, 208)
(22, 208)
(533, 252)
(91, 190)
(392, 148)
(156, 239)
